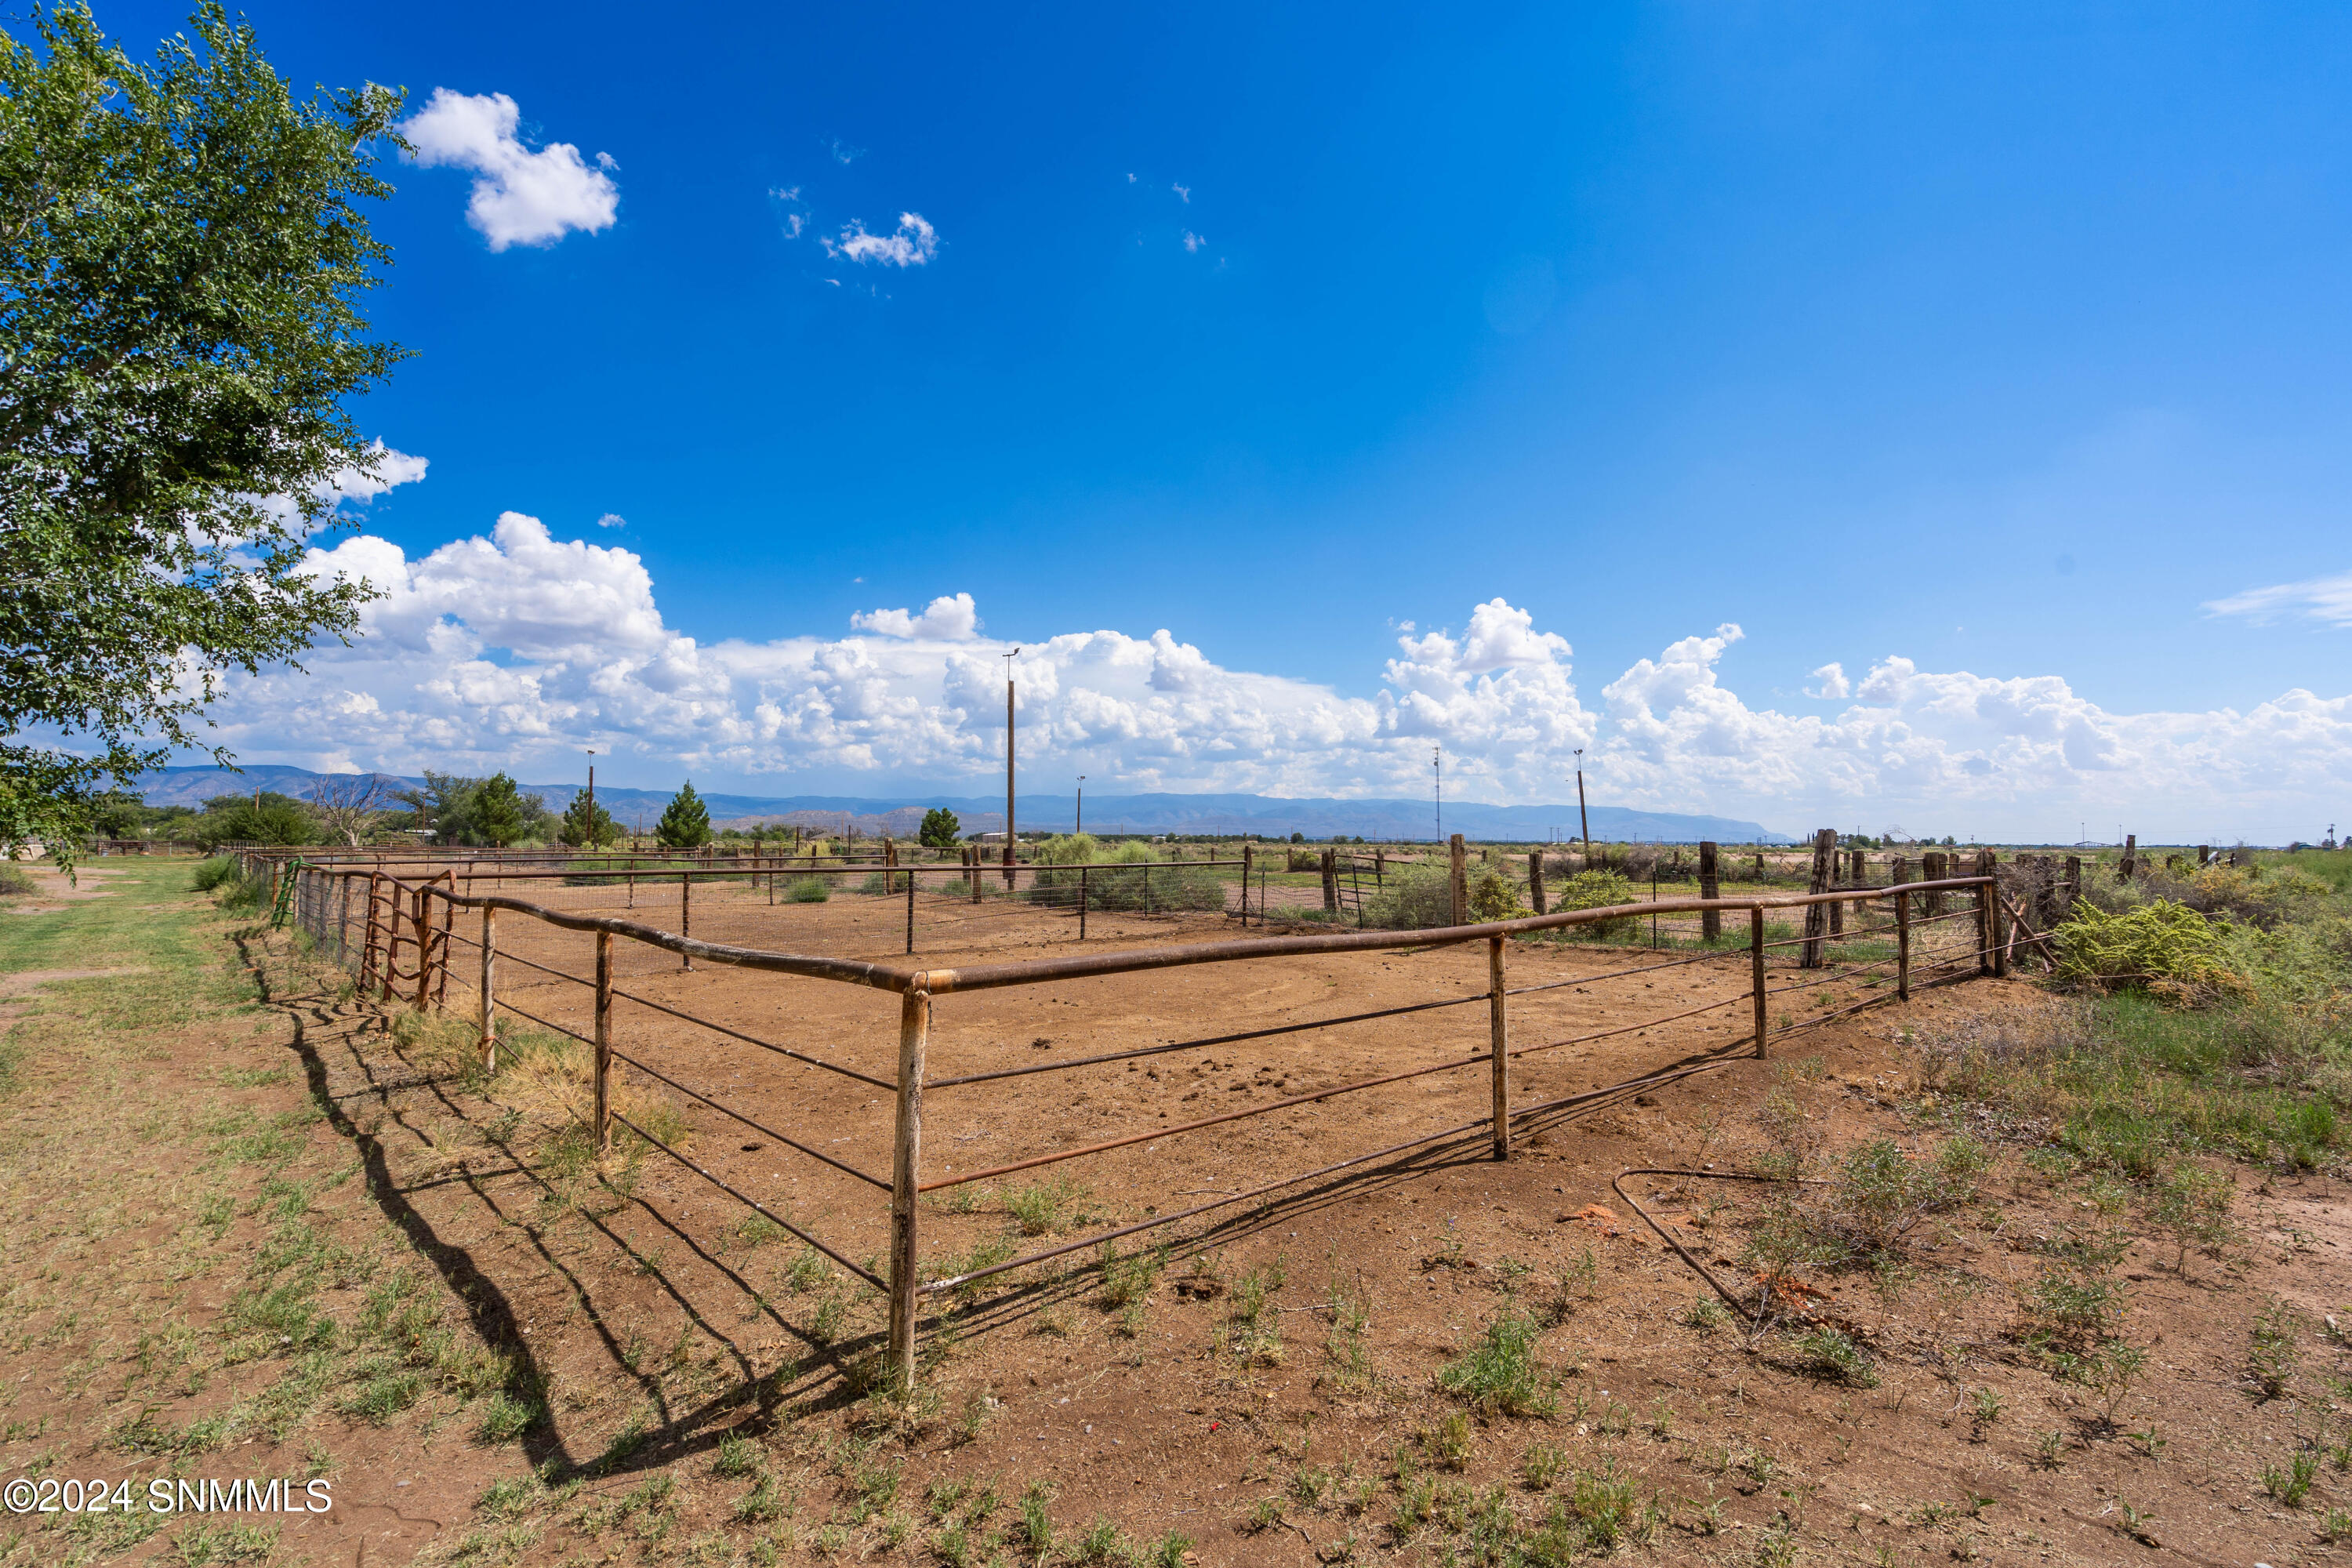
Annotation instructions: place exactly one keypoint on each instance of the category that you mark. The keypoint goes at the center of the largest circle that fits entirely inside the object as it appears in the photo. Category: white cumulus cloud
(944, 619)
(515, 649)
(912, 244)
(1830, 681)
(521, 196)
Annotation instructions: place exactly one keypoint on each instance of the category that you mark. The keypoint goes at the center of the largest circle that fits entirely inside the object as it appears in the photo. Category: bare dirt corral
(1272, 1389)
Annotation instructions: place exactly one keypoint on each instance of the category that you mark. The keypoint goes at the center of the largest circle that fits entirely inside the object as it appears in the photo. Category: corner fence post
(1987, 914)
(2001, 935)
(905, 1174)
(489, 950)
(1817, 915)
(1902, 944)
(603, 1043)
(1498, 1033)
(1756, 974)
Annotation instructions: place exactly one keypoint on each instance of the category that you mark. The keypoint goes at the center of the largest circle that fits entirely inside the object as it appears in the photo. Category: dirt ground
(1269, 1390)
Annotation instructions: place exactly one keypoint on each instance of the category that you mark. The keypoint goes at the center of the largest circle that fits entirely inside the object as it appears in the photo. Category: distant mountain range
(898, 814)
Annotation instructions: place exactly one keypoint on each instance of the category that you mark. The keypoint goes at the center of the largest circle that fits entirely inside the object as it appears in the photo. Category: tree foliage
(939, 829)
(685, 822)
(580, 832)
(180, 254)
(499, 815)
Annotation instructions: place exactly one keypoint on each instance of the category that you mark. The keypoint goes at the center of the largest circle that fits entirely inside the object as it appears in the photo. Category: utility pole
(1082, 804)
(1582, 820)
(591, 800)
(1009, 863)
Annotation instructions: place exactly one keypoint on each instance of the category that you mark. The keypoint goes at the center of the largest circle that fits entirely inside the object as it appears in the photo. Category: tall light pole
(1583, 821)
(1009, 873)
(1082, 803)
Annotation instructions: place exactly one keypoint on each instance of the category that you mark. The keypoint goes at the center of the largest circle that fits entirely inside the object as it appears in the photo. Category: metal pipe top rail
(905, 978)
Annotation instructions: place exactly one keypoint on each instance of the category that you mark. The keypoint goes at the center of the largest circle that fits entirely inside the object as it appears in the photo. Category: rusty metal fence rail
(399, 935)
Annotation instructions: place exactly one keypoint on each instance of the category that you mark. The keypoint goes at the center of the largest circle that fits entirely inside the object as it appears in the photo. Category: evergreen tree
(939, 828)
(685, 822)
(498, 813)
(579, 832)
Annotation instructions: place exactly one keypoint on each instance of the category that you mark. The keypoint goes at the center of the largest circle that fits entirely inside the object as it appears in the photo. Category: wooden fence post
(1902, 943)
(1249, 861)
(2131, 858)
(1498, 1034)
(1380, 867)
(1837, 879)
(1710, 886)
(1535, 882)
(905, 1174)
(1756, 974)
(1934, 867)
(2074, 885)
(1330, 870)
(1459, 882)
(1816, 918)
(603, 1043)
(1990, 959)
(489, 1027)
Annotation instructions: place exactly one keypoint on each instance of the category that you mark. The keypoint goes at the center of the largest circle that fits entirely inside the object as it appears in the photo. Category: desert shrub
(1309, 860)
(1417, 898)
(807, 891)
(1596, 890)
(875, 885)
(1495, 897)
(210, 874)
(2156, 942)
(13, 882)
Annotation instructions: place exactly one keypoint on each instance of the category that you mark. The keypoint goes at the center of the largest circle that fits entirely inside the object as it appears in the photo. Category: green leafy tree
(498, 812)
(581, 832)
(269, 818)
(939, 829)
(685, 822)
(180, 255)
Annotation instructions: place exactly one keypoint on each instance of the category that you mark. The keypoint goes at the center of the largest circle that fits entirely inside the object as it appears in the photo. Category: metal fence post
(910, 914)
(686, 914)
(489, 1028)
(905, 1174)
(1082, 903)
(1756, 976)
(1249, 860)
(1498, 1034)
(604, 1128)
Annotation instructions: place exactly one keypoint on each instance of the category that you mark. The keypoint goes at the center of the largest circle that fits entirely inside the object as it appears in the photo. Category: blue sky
(2003, 341)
